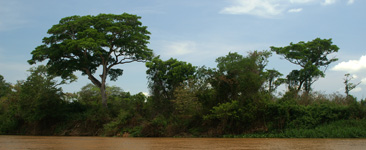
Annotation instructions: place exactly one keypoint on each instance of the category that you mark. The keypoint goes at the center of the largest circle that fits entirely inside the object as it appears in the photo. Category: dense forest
(235, 99)
(186, 101)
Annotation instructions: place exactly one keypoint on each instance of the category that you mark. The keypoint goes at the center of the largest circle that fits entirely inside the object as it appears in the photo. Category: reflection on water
(105, 143)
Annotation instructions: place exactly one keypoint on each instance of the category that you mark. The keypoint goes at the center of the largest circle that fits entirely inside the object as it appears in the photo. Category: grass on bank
(337, 129)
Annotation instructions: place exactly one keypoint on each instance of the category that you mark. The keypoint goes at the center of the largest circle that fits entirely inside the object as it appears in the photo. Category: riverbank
(355, 128)
(27, 111)
(337, 129)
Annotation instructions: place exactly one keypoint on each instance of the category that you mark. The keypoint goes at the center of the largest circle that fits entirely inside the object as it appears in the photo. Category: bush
(116, 126)
(155, 127)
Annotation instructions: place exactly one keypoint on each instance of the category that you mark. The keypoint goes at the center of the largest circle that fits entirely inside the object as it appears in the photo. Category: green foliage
(8, 123)
(238, 77)
(201, 88)
(291, 115)
(237, 85)
(233, 117)
(86, 43)
(187, 111)
(116, 126)
(273, 79)
(130, 109)
(37, 106)
(164, 78)
(336, 129)
(228, 113)
(235, 99)
(5, 87)
(186, 102)
(311, 56)
(35, 102)
(155, 127)
(89, 93)
(39, 96)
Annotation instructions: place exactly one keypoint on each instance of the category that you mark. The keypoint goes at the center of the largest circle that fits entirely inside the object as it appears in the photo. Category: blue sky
(199, 31)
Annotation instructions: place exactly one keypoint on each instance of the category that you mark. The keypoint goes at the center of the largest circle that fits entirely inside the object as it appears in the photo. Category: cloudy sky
(199, 31)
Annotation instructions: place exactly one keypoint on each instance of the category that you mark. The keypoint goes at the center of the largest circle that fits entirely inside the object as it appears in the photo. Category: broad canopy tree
(312, 57)
(88, 43)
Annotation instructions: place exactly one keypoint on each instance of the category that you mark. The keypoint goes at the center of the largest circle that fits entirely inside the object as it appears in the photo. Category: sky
(198, 32)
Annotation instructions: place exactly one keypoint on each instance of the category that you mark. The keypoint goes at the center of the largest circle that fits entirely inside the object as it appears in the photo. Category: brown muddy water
(108, 143)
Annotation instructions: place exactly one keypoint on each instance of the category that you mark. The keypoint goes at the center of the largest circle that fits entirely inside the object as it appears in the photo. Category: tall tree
(311, 56)
(87, 43)
(165, 77)
(238, 76)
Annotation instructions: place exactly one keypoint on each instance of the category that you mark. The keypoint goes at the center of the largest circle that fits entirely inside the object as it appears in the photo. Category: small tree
(313, 59)
(349, 86)
(273, 79)
(39, 98)
(87, 43)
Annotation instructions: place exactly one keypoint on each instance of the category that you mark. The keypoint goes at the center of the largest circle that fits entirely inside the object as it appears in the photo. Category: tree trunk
(100, 85)
(270, 86)
(103, 91)
(104, 95)
(300, 85)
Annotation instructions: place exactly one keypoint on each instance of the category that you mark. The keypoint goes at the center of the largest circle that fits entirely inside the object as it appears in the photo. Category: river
(109, 143)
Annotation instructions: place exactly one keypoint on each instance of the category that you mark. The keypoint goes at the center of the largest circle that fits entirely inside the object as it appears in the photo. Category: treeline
(236, 98)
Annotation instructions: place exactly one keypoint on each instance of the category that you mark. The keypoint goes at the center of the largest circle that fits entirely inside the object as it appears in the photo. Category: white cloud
(363, 81)
(350, 2)
(262, 8)
(328, 2)
(146, 94)
(301, 1)
(351, 65)
(272, 8)
(357, 89)
(295, 10)
(179, 48)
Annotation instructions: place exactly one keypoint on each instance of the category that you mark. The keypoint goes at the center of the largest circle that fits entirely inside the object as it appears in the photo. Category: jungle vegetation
(235, 99)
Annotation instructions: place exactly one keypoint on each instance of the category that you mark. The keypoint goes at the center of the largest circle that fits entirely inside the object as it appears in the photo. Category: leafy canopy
(239, 77)
(5, 87)
(311, 56)
(166, 76)
(39, 97)
(308, 53)
(83, 43)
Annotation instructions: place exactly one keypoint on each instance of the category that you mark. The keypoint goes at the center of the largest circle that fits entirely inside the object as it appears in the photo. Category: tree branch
(94, 80)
